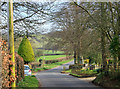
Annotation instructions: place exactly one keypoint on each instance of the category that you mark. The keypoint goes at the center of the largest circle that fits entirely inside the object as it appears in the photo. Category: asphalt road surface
(53, 78)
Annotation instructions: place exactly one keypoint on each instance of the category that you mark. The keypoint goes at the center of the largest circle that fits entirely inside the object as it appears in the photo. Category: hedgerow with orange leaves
(7, 64)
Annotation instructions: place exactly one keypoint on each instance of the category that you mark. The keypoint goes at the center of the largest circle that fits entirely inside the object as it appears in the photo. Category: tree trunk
(78, 53)
(74, 57)
(115, 62)
(119, 28)
(103, 44)
(103, 50)
(27, 33)
(11, 40)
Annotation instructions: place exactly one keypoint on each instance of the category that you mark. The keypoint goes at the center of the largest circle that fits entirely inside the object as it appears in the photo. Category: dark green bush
(76, 66)
(52, 61)
(115, 46)
(25, 50)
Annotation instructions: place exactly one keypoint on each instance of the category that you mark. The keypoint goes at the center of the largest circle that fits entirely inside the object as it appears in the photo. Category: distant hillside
(36, 41)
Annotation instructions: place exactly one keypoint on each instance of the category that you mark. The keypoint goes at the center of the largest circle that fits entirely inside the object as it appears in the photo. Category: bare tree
(27, 16)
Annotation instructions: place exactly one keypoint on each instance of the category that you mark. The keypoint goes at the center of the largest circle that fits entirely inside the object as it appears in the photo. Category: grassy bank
(107, 81)
(28, 82)
(50, 66)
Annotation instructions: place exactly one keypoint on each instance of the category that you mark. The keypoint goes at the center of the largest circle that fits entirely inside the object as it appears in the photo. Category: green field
(53, 65)
(52, 52)
(50, 57)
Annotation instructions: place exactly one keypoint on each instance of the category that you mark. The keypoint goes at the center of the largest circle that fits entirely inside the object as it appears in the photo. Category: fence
(7, 79)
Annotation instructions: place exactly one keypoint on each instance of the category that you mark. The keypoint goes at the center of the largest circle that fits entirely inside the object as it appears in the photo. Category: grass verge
(66, 71)
(81, 76)
(50, 66)
(28, 82)
(81, 73)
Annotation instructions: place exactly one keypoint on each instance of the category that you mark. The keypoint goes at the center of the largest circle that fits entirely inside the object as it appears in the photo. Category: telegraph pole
(11, 41)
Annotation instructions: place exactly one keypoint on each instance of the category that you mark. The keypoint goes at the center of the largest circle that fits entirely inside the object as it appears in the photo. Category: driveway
(53, 78)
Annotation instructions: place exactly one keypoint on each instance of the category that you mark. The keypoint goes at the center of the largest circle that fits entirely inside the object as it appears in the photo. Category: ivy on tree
(115, 46)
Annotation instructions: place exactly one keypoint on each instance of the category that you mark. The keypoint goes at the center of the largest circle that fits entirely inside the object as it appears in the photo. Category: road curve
(53, 78)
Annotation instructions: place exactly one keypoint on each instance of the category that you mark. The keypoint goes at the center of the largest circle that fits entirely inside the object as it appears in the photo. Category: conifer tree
(25, 50)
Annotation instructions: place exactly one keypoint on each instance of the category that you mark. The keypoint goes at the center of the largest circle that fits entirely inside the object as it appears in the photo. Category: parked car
(27, 70)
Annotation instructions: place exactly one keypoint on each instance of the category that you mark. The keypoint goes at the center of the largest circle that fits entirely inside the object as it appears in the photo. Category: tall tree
(103, 44)
(72, 22)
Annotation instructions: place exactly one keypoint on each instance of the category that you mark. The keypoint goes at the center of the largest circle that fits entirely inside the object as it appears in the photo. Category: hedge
(7, 79)
(58, 60)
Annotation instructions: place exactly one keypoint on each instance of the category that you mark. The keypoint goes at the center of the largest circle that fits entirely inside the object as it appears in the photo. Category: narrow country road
(53, 78)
